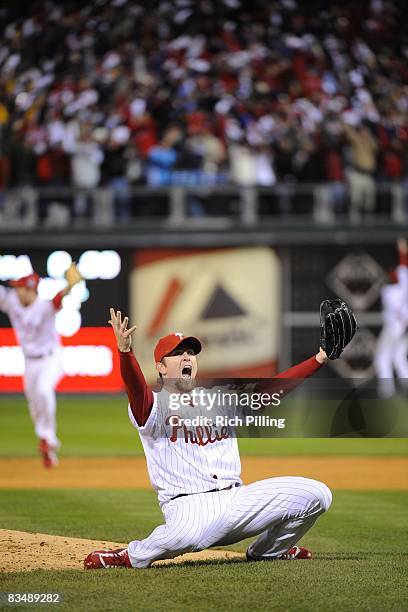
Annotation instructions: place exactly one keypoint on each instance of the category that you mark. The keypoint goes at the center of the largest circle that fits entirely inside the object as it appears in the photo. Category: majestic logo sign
(220, 296)
(358, 279)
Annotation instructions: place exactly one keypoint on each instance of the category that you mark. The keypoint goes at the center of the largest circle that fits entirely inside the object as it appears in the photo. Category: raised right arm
(139, 394)
(402, 245)
(402, 268)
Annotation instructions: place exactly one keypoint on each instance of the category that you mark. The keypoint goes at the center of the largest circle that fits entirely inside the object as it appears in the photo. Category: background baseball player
(33, 320)
(392, 346)
(197, 475)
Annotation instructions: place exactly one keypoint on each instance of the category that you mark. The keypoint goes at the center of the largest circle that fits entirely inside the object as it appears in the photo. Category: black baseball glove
(337, 327)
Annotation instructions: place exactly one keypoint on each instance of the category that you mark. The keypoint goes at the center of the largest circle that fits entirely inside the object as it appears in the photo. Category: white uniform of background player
(33, 320)
(196, 472)
(392, 346)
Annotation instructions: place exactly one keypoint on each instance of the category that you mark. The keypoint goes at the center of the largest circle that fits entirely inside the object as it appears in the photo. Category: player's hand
(73, 275)
(321, 356)
(123, 335)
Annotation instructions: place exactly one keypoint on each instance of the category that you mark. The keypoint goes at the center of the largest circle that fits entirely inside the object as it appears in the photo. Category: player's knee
(324, 495)
(43, 396)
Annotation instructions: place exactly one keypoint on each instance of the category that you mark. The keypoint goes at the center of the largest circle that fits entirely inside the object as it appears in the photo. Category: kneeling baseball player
(197, 474)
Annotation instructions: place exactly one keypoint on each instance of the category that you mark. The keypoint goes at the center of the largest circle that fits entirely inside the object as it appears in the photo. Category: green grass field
(360, 545)
(360, 564)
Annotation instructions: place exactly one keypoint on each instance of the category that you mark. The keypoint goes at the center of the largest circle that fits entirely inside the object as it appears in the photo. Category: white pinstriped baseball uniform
(35, 329)
(392, 346)
(184, 468)
(277, 510)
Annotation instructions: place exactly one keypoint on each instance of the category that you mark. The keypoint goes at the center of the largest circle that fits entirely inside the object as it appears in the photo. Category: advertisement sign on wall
(89, 358)
(229, 298)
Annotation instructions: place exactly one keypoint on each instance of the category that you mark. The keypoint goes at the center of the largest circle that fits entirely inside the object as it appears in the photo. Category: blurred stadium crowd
(121, 93)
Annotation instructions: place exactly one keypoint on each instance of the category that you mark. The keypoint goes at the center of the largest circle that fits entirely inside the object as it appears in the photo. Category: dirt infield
(362, 473)
(41, 551)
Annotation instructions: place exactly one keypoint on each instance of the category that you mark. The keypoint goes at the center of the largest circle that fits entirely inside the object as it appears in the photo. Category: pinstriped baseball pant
(277, 510)
(40, 379)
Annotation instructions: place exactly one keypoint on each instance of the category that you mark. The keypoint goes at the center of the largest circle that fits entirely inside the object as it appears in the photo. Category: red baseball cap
(172, 341)
(30, 281)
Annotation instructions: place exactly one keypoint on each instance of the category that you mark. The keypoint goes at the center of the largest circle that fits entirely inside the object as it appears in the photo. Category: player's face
(26, 295)
(181, 366)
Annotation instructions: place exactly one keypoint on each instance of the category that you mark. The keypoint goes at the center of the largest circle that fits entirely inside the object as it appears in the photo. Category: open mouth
(186, 371)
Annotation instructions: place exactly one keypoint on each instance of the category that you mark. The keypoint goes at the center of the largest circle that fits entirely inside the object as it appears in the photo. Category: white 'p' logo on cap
(179, 334)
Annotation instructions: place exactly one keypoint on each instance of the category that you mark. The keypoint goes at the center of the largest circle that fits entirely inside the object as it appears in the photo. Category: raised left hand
(73, 275)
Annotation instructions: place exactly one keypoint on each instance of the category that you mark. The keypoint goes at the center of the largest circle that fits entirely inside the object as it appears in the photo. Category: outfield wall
(256, 308)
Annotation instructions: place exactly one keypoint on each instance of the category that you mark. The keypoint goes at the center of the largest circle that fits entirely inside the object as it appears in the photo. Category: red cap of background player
(172, 341)
(30, 281)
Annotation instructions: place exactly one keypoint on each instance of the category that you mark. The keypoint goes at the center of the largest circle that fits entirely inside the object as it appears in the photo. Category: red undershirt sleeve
(403, 259)
(301, 370)
(289, 379)
(57, 300)
(139, 394)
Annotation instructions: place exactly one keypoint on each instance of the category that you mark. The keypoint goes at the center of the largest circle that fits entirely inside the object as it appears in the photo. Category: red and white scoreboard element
(90, 362)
